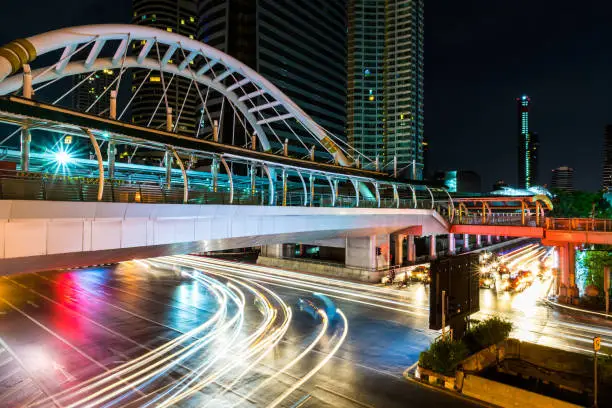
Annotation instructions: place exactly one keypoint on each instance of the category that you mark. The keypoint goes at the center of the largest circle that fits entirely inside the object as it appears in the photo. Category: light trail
(295, 280)
(316, 369)
(293, 362)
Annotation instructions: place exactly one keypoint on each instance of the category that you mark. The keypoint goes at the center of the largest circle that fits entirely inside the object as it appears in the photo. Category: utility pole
(596, 347)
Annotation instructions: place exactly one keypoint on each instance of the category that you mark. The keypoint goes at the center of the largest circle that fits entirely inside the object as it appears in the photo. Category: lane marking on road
(302, 401)
(346, 397)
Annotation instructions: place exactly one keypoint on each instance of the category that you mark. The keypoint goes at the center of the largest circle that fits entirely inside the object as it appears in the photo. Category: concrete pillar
(272, 251)
(111, 151)
(399, 249)
(489, 239)
(26, 138)
(478, 241)
(451, 244)
(168, 161)
(466, 242)
(361, 252)
(433, 253)
(411, 249)
(571, 264)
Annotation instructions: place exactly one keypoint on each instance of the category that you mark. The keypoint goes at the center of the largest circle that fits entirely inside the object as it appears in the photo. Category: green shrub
(487, 332)
(443, 356)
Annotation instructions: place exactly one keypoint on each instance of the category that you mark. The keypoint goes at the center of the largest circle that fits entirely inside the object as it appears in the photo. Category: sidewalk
(578, 309)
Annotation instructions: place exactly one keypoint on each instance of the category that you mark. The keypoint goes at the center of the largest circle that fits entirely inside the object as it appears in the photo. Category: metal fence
(579, 224)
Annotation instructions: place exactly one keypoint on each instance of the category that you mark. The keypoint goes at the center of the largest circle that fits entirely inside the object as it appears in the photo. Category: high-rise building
(528, 146)
(175, 16)
(563, 179)
(95, 88)
(607, 160)
(298, 45)
(385, 78)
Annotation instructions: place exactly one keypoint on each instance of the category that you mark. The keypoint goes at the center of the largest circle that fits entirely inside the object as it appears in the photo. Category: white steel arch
(93, 38)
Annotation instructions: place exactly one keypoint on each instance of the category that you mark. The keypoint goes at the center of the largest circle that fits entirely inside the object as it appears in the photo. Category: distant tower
(606, 183)
(528, 146)
(563, 179)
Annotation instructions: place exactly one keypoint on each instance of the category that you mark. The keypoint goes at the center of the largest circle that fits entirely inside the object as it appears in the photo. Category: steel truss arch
(78, 39)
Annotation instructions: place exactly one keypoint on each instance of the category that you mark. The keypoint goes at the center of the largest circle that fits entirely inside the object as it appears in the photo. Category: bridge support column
(371, 252)
(26, 138)
(111, 150)
(567, 270)
(253, 174)
(214, 169)
(489, 239)
(478, 241)
(451, 244)
(168, 162)
(411, 249)
(398, 256)
(433, 254)
(466, 242)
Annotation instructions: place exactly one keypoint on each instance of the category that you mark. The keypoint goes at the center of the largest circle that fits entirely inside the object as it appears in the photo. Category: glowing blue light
(62, 157)
(524, 97)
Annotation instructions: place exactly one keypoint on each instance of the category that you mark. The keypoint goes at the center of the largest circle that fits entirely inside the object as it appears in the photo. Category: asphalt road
(136, 334)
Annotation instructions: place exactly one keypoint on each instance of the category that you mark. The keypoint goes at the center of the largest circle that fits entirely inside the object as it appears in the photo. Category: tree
(580, 204)
(590, 266)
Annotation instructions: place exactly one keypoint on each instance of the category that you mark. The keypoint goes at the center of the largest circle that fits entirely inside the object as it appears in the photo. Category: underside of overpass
(39, 235)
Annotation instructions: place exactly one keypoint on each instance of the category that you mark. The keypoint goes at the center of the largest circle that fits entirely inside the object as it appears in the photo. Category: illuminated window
(402, 116)
(191, 36)
(182, 21)
(192, 19)
(68, 140)
(170, 61)
(168, 29)
(371, 97)
(154, 79)
(144, 17)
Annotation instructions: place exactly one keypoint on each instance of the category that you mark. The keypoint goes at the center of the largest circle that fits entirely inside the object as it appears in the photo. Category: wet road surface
(173, 332)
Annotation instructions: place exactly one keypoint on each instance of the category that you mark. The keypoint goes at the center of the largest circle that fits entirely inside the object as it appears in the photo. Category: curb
(577, 309)
(408, 376)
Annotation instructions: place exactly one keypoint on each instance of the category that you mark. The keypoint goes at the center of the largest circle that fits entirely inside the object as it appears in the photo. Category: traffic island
(513, 373)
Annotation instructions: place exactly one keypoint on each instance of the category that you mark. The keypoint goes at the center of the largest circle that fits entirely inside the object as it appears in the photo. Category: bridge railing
(579, 224)
(496, 219)
(42, 186)
(37, 186)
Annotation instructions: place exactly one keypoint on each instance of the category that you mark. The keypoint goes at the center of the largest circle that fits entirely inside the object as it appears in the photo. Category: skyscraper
(528, 146)
(606, 182)
(385, 77)
(298, 45)
(562, 179)
(175, 16)
(93, 89)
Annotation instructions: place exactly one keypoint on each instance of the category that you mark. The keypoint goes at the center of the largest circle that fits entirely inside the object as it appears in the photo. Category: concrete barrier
(504, 395)
(339, 271)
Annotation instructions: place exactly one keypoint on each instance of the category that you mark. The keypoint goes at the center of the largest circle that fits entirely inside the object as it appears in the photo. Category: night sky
(480, 55)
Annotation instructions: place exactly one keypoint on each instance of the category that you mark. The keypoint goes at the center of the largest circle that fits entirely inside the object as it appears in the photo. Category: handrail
(16, 185)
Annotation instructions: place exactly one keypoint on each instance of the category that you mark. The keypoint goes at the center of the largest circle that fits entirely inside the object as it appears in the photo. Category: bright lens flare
(62, 157)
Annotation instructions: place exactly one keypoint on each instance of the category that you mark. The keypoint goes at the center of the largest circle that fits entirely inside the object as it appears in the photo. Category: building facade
(175, 16)
(298, 45)
(606, 182)
(95, 88)
(562, 179)
(528, 146)
(385, 78)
